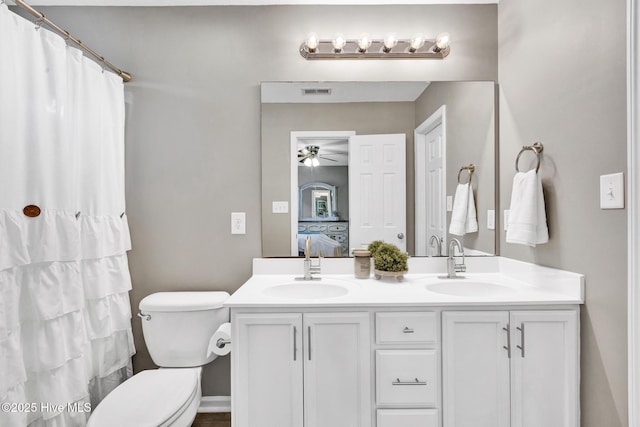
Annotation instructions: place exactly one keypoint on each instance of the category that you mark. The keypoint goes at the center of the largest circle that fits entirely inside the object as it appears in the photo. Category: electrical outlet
(612, 191)
(506, 219)
(449, 203)
(238, 223)
(491, 219)
(280, 207)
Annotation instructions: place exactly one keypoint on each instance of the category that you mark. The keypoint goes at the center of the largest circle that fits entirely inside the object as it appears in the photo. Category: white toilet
(177, 328)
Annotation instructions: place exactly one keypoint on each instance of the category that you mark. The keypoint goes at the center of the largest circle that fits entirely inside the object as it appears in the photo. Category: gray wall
(471, 138)
(193, 123)
(562, 81)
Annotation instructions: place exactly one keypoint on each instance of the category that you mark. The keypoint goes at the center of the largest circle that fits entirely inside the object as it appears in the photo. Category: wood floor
(212, 419)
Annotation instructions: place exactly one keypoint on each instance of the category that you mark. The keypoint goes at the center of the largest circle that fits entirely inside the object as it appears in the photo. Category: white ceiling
(241, 2)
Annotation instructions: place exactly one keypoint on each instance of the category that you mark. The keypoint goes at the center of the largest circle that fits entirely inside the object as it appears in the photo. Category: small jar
(362, 263)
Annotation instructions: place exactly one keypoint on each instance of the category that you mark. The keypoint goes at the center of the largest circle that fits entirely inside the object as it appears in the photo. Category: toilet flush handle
(144, 316)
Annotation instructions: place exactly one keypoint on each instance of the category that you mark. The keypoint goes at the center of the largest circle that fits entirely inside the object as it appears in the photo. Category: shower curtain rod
(126, 77)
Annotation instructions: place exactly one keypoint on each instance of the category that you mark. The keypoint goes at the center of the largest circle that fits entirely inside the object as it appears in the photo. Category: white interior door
(430, 184)
(436, 213)
(377, 189)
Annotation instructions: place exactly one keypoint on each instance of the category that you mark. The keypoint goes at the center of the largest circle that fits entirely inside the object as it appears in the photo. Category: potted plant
(388, 260)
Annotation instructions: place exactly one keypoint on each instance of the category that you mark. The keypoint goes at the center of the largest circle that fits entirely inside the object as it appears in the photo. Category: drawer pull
(415, 382)
(407, 330)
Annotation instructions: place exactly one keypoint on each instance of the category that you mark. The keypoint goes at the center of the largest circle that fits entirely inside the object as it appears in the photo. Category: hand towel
(527, 218)
(463, 217)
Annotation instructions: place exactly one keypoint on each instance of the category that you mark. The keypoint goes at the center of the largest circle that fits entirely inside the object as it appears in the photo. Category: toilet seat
(152, 398)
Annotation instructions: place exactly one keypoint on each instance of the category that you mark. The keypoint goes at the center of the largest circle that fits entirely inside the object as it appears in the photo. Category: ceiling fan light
(307, 162)
(315, 162)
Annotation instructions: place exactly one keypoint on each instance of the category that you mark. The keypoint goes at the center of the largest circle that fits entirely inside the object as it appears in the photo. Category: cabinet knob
(400, 236)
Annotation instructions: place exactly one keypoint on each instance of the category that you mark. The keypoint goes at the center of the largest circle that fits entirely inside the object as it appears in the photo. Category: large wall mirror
(376, 161)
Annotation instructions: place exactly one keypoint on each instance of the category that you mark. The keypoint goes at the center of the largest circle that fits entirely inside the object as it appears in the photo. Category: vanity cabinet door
(475, 366)
(517, 369)
(545, 369)
(337, 370)
(267, 382)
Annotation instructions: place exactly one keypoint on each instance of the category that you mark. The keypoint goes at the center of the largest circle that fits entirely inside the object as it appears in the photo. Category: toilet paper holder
(222, 342)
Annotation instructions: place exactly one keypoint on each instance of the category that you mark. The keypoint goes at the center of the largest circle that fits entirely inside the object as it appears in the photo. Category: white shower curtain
(65, 318)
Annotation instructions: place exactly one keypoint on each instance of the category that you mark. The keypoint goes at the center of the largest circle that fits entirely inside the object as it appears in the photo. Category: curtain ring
(39, 22)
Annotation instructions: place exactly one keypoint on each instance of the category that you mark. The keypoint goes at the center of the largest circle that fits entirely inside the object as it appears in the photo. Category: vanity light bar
(366, 48)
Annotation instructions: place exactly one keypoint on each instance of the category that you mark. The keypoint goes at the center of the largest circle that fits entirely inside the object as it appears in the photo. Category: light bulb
(416, 42)
(390, 41)
(338, 43)
(312, 42)
(315, 162)
(363, 43)
(442, 41)
(307, 162)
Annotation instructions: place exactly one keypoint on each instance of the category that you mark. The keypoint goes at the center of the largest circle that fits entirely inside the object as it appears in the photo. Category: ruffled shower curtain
(65, 318)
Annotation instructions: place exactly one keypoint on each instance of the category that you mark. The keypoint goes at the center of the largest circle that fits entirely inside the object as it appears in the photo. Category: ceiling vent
(316, 91)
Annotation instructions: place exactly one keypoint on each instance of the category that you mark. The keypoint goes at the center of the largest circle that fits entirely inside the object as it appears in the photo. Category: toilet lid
(149, 398)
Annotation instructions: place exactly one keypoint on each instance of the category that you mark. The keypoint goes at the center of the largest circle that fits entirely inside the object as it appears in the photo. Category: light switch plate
(280, 207)
(449, 203)
(238, 223)
(612, 191)
(491, 219)
(506, 218)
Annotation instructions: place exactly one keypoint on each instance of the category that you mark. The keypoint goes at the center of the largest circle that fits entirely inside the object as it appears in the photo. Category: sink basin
(471, 288)
(306, 290)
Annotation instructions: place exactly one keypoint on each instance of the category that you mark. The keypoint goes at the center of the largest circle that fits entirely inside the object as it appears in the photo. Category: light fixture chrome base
(402, 50)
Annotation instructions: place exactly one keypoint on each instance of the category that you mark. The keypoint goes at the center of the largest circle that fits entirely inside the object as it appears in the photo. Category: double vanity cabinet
(384, 354)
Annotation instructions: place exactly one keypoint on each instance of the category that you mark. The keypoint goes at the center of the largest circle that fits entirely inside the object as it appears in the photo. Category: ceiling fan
(309, 156)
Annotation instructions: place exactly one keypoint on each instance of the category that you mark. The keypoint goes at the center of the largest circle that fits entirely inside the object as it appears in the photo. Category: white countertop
(508, 282)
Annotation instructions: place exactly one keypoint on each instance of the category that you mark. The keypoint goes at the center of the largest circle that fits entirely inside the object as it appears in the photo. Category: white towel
(527, 218)
(463, 217)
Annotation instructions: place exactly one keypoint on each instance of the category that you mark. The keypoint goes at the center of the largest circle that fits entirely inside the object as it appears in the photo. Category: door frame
(439, 117)
(633, 211)
(298, 136)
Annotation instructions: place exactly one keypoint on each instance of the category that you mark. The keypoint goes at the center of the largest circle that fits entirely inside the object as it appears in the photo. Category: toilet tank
(177, 326)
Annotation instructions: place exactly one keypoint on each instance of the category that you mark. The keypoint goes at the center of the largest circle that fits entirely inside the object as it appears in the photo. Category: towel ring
(471, 168)
(537, 148)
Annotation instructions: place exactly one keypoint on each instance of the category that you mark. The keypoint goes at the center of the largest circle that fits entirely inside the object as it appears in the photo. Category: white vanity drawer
(407, 417)
(406, 377)
(314, 228)
(406, 327)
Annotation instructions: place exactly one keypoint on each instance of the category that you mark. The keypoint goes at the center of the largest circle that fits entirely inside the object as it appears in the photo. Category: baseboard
(215, 404)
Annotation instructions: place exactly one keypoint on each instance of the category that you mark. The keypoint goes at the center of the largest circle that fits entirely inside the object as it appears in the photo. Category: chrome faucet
(309, 267)
(437, 245)
(452, 266)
